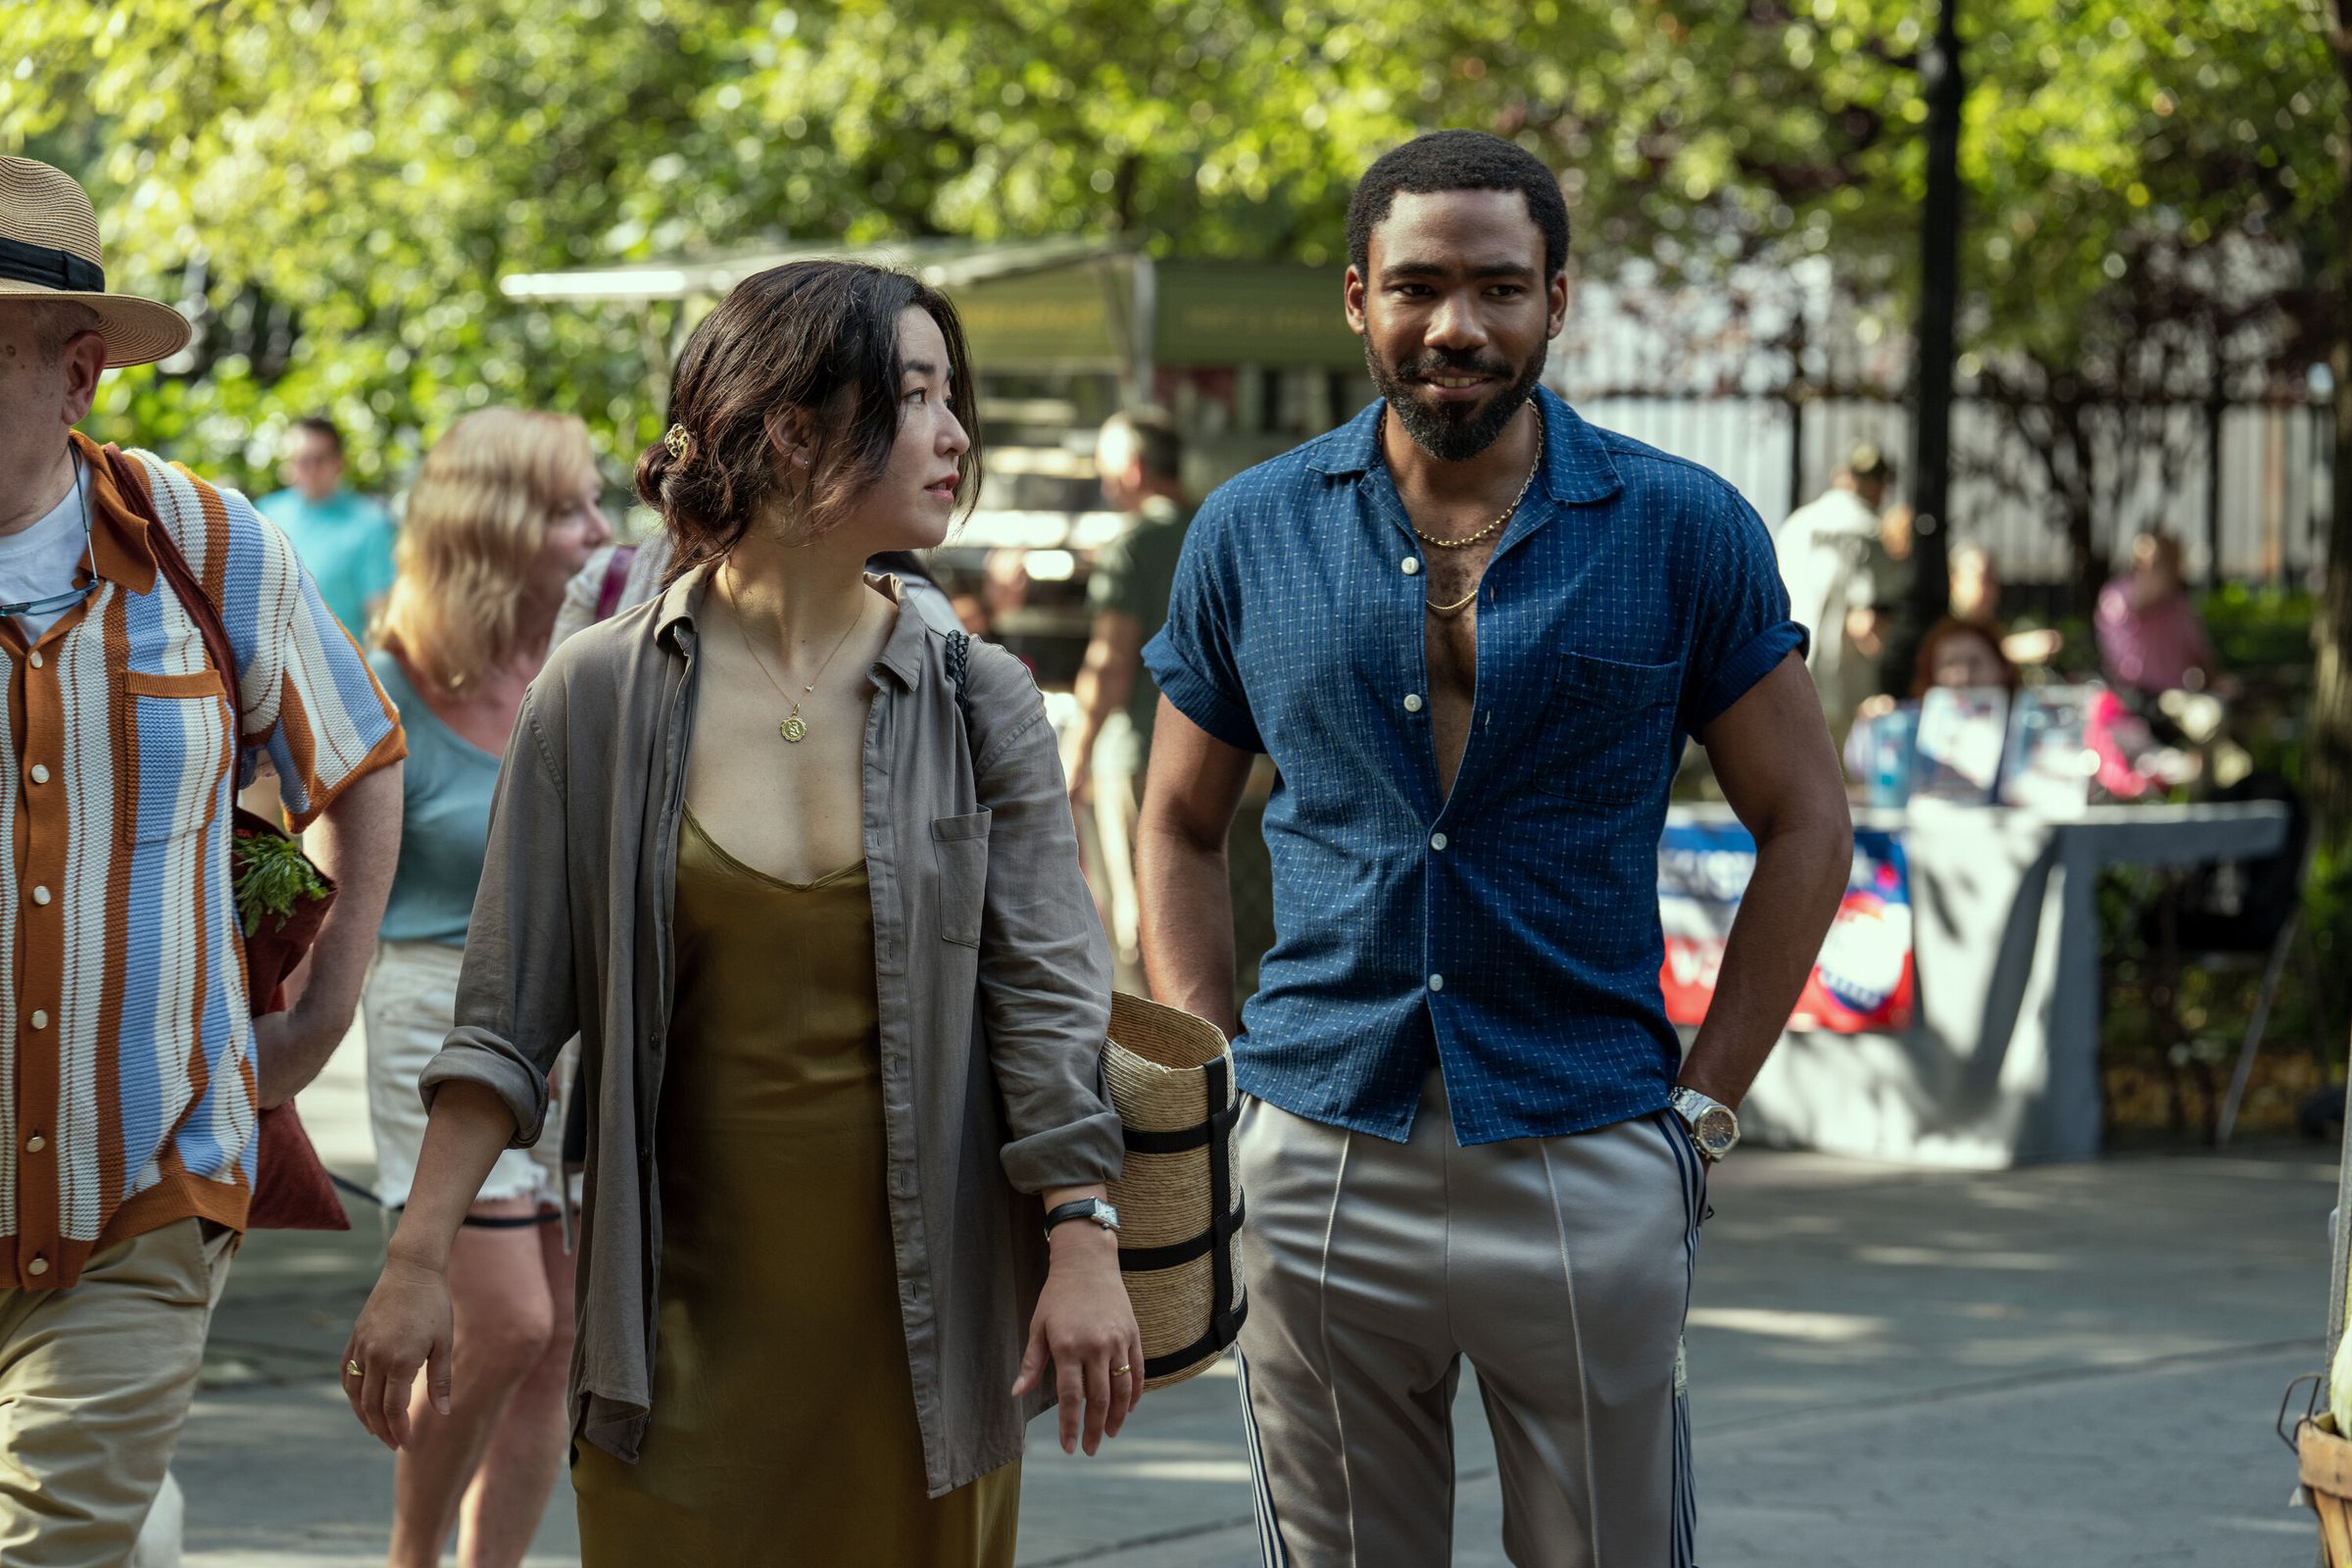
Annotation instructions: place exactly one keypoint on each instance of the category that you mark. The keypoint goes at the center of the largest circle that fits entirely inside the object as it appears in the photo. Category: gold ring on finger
(354, 1368)
(1122, 1370)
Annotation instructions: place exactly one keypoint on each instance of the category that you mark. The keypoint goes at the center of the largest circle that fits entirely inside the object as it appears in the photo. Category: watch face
(1717, 1129)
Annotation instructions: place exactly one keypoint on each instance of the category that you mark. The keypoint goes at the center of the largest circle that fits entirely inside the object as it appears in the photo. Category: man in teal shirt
(343, 537)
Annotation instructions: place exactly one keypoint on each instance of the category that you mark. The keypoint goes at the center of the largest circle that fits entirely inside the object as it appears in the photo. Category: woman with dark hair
(801, 872)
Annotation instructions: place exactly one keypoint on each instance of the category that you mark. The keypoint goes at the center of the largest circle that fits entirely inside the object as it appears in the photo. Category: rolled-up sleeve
(1192, 658)
(1742, 630)
(517, 1006)
(1045, 965)
(310, 703)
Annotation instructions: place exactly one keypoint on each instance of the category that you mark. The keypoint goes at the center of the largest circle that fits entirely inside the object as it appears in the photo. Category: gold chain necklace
(1508, 513)
(794, 729)
(1442, 612)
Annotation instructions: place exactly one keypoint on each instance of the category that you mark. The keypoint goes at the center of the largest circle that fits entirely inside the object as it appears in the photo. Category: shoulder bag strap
(131, 485)
(959, 662)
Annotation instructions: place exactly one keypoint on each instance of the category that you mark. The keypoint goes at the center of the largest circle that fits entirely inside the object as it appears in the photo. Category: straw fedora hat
(49, 250)
(1179, 1199)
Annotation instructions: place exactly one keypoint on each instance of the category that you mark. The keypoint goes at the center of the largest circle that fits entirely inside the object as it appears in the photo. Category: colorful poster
(1862, 982)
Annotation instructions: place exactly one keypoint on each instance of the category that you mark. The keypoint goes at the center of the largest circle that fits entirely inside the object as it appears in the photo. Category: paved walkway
(2069, 1365)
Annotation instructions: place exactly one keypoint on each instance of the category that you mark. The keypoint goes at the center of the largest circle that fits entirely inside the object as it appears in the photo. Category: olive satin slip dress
(783, 1425)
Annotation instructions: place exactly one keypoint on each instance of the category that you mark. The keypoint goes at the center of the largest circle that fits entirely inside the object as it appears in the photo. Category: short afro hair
(1458, 159)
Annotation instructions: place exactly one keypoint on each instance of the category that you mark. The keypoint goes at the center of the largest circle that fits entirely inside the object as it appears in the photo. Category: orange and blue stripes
(126, 1094)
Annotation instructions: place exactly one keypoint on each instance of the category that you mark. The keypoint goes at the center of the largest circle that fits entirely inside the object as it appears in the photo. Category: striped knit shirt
(128, 1099)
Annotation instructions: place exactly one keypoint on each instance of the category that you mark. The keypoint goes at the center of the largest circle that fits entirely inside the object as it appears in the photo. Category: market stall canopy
(1065, 304)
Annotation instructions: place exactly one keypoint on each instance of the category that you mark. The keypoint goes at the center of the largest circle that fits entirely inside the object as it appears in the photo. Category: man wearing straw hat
(131, 1069)
(1473, 632)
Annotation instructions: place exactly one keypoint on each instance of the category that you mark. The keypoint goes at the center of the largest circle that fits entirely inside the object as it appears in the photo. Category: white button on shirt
(1412, 564)
(1412, 702)
(1437, 982)
(40, 895)
(40, 774)
(1437, 841)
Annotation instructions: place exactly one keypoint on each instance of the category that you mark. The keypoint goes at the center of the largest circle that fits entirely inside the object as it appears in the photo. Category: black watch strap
(1081, 1208)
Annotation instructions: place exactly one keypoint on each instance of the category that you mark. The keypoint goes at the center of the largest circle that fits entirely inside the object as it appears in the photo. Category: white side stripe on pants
(1685, 1493)
(1271, 1551)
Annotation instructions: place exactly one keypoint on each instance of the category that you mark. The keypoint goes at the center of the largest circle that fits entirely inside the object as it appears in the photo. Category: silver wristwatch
(1714, 1130)
(1097, 1210)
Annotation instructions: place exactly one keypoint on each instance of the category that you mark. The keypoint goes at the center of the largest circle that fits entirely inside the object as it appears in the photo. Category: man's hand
(290, 1047)
(356, 841)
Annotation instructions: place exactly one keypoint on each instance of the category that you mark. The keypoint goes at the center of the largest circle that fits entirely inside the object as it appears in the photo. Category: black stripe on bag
(1184, 1139)
(50, 267)
(1224, 1204)
(1225, 1219)
(1143, 1259)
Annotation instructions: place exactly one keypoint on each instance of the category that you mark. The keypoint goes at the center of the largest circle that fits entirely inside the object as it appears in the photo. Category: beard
(1452, 432)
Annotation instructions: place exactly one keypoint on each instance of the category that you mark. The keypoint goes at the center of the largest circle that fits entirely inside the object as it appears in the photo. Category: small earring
(801, 457)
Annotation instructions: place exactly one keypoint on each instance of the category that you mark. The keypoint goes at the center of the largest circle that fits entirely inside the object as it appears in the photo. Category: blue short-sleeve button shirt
(1509, 931)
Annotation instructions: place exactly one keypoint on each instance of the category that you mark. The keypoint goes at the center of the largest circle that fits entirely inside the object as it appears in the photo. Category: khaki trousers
(1559, 1267)
(95, 1382)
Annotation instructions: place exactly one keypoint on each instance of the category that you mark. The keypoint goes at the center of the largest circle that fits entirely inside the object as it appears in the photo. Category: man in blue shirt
(343, 537)
(1473, 632)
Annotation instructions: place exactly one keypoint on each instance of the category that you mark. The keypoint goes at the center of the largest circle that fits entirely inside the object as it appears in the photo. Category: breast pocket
(174, 737)
(960, 844)
(1612, 730)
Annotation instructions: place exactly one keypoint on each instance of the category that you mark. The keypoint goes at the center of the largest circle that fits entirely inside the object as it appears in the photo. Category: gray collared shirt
(992, 974)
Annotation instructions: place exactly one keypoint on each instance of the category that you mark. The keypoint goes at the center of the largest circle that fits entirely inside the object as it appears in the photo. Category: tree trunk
(2327, 757)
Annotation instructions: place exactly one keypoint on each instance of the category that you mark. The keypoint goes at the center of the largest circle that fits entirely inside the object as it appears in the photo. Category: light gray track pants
(1561, 1266)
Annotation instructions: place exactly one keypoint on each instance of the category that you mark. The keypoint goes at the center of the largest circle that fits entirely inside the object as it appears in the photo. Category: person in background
(2150, 639)
(1963, 653)
(503, 516)
(801, 872)
(1828, 552)
(1955, 651)
(967, 599)
(1892, 635)
(1976, 601)
(138, 1071)
(343, 538)
(1140, 458)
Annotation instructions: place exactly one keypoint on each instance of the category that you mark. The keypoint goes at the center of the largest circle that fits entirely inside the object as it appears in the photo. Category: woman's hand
(404, 1325)
(1086, 1328)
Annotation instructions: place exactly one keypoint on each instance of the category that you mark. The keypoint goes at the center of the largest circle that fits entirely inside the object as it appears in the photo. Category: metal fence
(2246, 486)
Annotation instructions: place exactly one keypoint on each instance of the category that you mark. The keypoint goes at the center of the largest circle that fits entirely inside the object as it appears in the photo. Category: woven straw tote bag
(1179, 1199)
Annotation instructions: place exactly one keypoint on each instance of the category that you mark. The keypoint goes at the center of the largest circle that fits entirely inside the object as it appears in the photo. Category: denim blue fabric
(1512, 928)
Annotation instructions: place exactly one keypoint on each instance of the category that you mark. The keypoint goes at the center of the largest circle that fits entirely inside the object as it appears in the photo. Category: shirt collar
(1575, 465)
(120, 553)
(901, 654)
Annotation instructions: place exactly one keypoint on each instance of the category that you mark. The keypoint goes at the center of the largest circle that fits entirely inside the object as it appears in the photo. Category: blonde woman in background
(503, 516)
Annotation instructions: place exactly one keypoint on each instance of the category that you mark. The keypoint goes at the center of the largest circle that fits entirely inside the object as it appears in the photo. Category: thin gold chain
(1509, 512)
(1443, 611)
(793, 723)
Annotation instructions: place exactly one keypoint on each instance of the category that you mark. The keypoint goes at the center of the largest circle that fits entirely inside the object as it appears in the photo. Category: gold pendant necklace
(794, 728)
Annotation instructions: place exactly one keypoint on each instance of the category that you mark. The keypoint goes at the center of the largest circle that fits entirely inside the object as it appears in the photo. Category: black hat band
(50, 267)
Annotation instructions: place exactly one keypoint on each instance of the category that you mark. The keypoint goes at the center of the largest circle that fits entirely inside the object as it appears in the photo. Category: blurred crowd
(1847, 561)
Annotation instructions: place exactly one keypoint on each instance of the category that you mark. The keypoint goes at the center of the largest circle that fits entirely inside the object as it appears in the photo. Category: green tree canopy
(335, 190)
